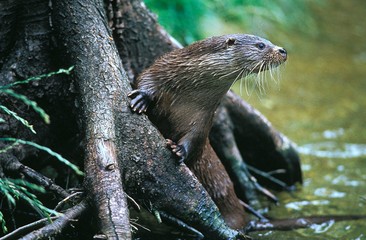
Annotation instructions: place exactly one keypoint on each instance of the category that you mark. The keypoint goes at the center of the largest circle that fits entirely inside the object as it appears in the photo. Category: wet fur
(180, 93)
(186, 85)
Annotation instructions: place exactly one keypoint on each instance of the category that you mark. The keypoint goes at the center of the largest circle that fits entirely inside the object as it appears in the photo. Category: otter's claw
(177, 149)
(140, 100)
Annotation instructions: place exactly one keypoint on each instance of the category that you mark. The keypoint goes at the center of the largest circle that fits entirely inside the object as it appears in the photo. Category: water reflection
(321, 228)
(299, 205)
(333, 150)
(325, 192)
(344, 180)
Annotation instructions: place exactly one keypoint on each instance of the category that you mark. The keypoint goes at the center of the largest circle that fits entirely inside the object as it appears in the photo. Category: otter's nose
(283, 52)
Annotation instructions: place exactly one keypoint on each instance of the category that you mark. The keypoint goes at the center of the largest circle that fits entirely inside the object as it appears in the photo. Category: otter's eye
(230, 41)
(261, 46)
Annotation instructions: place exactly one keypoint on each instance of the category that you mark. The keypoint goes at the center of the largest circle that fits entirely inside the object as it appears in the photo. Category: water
(320, 104)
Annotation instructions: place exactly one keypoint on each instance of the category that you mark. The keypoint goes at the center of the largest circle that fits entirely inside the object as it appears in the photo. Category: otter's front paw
(179, 150)
(140, 100)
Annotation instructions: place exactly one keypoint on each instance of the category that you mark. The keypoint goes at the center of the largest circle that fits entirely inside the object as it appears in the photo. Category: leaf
(30, 103)
(20, 189)
(4, 189)
(2, 222)
(29, 185)
(20, 119)
(6, 89)
(36, 78)
(49, 151)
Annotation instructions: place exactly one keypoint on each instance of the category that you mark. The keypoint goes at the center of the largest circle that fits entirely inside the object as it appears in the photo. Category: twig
(264, 191)
(66, 199)
(268, 176)
(47, 183)
(277, 171)
(135, 225)
(11, 163)
(27, 228)
(134, 202)
(59, 224)
(173, 220)
(253, 211)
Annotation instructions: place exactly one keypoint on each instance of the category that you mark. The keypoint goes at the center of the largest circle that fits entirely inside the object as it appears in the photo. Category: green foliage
(15, 115)
(6, 90)
(179, 17)
(28, 102)
(183, 18)
(16, 189)
(37, 78)
(46, 149)
(293, 15)
(3, 223)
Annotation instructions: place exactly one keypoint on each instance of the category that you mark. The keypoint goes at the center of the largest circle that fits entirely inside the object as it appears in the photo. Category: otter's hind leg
(140, 100)
(188, 147)
(177, 149)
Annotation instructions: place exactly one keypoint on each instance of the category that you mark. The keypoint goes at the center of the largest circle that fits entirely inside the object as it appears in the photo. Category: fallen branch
(21, 231)
(59, 224)
(11, 163)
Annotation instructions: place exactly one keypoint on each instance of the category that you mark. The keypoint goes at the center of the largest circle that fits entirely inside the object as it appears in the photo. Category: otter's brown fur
(181, 91)
(212, 175)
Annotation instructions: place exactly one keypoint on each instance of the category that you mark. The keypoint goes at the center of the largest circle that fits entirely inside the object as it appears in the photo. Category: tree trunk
(87, 41)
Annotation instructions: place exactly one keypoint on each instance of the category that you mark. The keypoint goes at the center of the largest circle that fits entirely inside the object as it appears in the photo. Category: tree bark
(138, 36)
(87, 41)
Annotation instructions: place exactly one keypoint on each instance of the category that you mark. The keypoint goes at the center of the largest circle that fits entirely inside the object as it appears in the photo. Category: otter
(182, 89)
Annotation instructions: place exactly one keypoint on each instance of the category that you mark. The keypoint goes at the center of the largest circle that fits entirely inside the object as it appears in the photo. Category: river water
(320, 103)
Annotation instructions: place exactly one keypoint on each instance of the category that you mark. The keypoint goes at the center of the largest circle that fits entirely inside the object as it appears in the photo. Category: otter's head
(253, 53)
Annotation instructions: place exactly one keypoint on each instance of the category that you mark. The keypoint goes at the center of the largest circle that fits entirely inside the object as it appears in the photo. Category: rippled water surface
(321, 105)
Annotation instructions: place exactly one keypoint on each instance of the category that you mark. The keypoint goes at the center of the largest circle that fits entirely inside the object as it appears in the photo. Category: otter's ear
(230, 41)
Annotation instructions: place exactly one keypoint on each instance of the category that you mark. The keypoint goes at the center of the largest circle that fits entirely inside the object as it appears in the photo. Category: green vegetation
(180, 17)
(6, 89)
(18, 189)
(43, 148)
(190, 20)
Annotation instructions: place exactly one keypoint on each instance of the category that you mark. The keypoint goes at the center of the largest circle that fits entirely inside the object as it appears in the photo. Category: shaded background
(319, 102)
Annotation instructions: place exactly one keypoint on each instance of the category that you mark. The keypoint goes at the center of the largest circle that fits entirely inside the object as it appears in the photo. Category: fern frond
(37, 78)
(15, 115)
(48, 150)
(31, 103)
(2, 222)
(15, 189)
